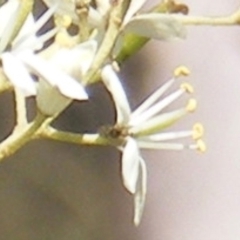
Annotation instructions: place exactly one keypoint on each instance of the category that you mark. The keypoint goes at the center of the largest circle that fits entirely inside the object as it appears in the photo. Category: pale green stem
(83, 139)
(210, 21)
(5, 85)
(21, 113)
(115, 20)
(20, 138)
(82, 12)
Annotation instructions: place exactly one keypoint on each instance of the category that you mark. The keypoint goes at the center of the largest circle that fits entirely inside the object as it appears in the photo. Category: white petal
(18, 74)
(130, 165)
(114, 86)
(6, 11)
(134, 6)
(140, 195)
(24, 39)
(103, 6)
(157, 26)
(10, 24)
(79, 58)
(27, 36)
(65, 7)
(55, 76)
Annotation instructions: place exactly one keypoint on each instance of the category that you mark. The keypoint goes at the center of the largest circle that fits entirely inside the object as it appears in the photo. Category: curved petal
(18, 74)
(6, 11)
(134, 6)
(114, 86)
(10, 13)
(140, 195)
(78, 58)
(130, 165)
(157, 26)
(68, 86)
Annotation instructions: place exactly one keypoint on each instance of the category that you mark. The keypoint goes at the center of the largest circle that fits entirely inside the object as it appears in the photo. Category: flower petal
(27, 35)
(11, 9)
(6, 11)
(114, 86)
(140, 195)
(157, 26)
(54, 76)
(18, 74)
(130, 165)
(103, 6)
(79, 58)
(134, 6)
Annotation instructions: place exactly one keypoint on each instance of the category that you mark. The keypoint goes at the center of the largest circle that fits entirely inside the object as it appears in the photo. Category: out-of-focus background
(51, 190)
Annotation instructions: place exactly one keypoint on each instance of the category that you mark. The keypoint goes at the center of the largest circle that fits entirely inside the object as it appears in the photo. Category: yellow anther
(198, 131)
(191, 105)
(63, 21)
(201, 146)
(187, 87)
(66, 21)
(181, 71)
(63, 39)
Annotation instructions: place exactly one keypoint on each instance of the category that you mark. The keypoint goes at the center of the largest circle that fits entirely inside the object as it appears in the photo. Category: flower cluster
(56, 75)
(145, 128)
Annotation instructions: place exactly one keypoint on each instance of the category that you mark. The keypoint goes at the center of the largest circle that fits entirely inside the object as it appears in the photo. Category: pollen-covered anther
(201, 146)
(63, 39)
(66, 21)
(198, 131)
(181, 71)
(187, 87)
(191, 105)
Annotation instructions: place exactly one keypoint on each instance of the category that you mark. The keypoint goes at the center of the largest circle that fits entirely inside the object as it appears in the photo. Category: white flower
(26, 40)
(59, 77)
(143, 128)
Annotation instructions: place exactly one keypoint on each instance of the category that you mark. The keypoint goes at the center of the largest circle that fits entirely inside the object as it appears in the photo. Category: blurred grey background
(51, 190)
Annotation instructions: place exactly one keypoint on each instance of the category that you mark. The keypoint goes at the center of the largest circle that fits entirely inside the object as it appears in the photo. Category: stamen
(157, 123)
(191, 105)
(168, 136)
(199, 146)
(152, 98)
(157, 108)
(187, 87)
(66, 21)
(157, 145)
(198, 131)
(181, 71)
(63, 39)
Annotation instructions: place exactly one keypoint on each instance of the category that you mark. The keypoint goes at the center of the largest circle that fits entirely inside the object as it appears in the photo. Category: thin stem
(5, 85)
(233, 19)
(20, 138)
(109, 40)
(21, 113)
(83, 139)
